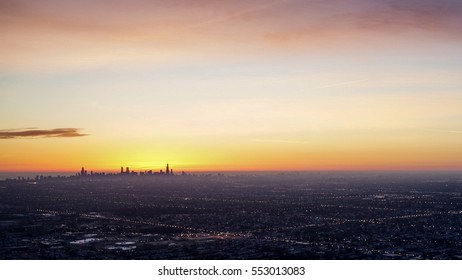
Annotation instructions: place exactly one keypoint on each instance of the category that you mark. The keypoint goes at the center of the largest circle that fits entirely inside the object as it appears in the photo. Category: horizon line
(115, 171)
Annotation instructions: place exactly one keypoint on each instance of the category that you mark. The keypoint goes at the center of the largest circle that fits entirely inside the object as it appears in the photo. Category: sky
(230, 85)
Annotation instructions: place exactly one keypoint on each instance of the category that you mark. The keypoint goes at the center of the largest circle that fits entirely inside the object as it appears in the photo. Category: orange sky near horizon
(230, 85)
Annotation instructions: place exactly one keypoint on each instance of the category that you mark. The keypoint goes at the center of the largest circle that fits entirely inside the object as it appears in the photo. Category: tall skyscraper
(82, 172)
(121, 170)
(167, 170)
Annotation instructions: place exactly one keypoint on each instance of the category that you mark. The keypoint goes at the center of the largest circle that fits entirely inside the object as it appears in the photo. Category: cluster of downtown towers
(127, 171)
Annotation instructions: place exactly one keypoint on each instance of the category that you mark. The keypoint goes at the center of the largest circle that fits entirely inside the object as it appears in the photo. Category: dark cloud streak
(40, 133)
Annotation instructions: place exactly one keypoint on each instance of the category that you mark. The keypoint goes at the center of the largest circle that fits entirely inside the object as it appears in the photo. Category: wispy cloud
(237, 14)
(445, 131)
(40, 133)
(109, 32)
(282, 141)
(345, 83)
(451, 131)
(380, 22)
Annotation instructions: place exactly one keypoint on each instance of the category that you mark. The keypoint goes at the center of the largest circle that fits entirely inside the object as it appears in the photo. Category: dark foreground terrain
(234, 216)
